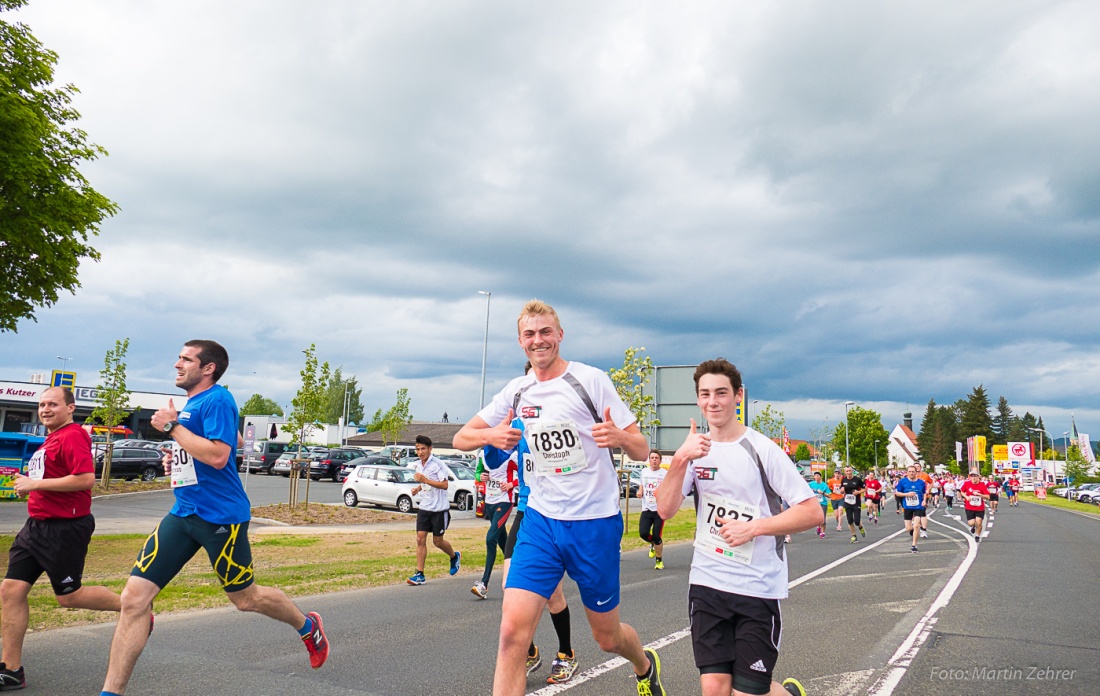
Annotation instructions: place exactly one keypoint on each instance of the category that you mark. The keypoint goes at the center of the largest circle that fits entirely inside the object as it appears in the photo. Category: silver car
(381, 485)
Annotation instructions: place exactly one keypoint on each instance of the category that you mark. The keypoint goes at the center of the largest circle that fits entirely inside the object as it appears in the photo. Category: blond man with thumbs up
(212, 512)
(572, 419)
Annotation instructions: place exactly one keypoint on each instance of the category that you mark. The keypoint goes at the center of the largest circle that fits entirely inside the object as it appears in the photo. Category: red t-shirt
(67, 450)
(969, 489)
(873, 487)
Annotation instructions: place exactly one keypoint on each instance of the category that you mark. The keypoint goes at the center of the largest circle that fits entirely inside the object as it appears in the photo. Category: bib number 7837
(708, 537)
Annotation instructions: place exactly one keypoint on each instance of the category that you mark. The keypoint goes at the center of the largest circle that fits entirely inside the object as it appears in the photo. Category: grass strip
(299, 564)
(1059, 502)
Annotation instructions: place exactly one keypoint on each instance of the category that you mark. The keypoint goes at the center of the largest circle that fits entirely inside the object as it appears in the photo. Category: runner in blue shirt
(913, 494)
(822, 491)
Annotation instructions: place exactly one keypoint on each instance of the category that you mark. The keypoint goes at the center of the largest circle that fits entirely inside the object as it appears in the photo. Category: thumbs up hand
(165, 416)
(696, 445)
(503, 436)
(607, 434)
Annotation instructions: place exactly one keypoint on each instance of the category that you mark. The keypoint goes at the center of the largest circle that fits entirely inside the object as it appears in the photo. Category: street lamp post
(876, 456)
(847, 453)
(754, 403)
(344, 425)
(1041, 465)
(1065, 458)
(485, 344)
(64, 362)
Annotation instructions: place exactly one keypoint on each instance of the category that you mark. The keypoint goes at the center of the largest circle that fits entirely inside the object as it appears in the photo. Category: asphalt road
(1026, 600)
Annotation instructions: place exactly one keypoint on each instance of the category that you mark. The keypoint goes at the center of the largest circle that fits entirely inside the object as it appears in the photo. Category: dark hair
(718, 366)
(211, 352)
(424, 440)
(655, 451)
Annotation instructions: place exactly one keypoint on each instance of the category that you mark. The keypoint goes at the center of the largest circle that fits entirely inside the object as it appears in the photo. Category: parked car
(381, 485)
(373, 460)
(263, 455)
(283, 463)
(1085, 493)
(327, 464)
(396, 452)
(132, 462)
(635, 483)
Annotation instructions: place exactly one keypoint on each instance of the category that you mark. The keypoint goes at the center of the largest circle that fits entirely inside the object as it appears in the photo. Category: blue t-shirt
(906, 486)
(822, 491)
(218, 497)
(494, 458)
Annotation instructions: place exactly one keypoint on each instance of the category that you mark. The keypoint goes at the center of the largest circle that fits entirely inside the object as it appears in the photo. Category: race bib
(974, 500)
(183, 468)
(837, 490)
(556, 449)
(821, 498)
(707, 538)
(850, 499)
(911, 499)
(36, 467)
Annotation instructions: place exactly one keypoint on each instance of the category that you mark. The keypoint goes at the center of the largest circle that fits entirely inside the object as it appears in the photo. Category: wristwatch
(169, 425)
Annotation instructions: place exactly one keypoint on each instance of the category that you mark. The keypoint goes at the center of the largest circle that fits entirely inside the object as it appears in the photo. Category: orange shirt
(834, 486)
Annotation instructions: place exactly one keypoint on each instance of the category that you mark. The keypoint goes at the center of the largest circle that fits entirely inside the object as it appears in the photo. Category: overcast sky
(881, 202)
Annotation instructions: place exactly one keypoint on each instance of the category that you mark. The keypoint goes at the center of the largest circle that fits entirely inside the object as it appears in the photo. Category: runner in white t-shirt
(739, 570)
(650, 524)
(572, 419)
(434, 513)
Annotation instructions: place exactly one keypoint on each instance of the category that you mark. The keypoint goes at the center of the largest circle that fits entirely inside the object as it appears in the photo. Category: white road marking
(907, 651)
(613, 663)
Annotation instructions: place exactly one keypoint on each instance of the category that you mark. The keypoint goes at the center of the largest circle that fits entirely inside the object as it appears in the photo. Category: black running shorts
(735, 634)
(910, 514)
(56, 547)
(176, 540)
(434, 522)
(971, 514)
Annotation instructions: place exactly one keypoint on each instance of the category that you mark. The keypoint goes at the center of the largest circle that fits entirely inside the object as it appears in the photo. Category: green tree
(48, 210)
(334, 398)
(866, 428)
(112, 398)
(769, 422)
(802, 452)
(629, 381)
(1002, 422)
(308, 405)
(258, 405)
(1076, 465)
(394, 420)
(974, 418)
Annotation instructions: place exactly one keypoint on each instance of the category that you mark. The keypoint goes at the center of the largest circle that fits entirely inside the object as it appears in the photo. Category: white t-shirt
(650, 480)
(728, 478)
(502, 474)
(433, 499)
(573, 478)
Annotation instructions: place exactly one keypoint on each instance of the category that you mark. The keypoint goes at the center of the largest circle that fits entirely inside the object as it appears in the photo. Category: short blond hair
(535, 308)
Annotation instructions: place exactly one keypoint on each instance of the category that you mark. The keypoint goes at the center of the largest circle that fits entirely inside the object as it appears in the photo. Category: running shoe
(479, 589)
(316, 642)
(838, 528)
(562, 669)
(794, 687)
(787, 539)
(659, 565)
(821, 534)
(417, 578)
(534, 661)
(650, 684)
(652, 553)
(875, 519)
(852, 540)
(923, 534)
(12, 679)
(456, 562)
(862, 531)
(912, 549)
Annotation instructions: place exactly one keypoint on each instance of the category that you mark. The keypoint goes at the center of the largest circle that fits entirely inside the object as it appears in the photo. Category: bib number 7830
(714, 511)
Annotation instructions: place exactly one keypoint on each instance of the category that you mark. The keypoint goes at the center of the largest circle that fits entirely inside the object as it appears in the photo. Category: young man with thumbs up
(739, 570)
(212, 512)
(573, 419)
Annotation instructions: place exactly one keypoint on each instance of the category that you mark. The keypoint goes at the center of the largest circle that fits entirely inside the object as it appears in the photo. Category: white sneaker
(923, 534)
(479, 589)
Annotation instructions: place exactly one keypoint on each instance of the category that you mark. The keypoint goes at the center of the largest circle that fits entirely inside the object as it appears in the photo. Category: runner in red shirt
(1014, 486)
(874, 494)
(55, 538)
(974, 493)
